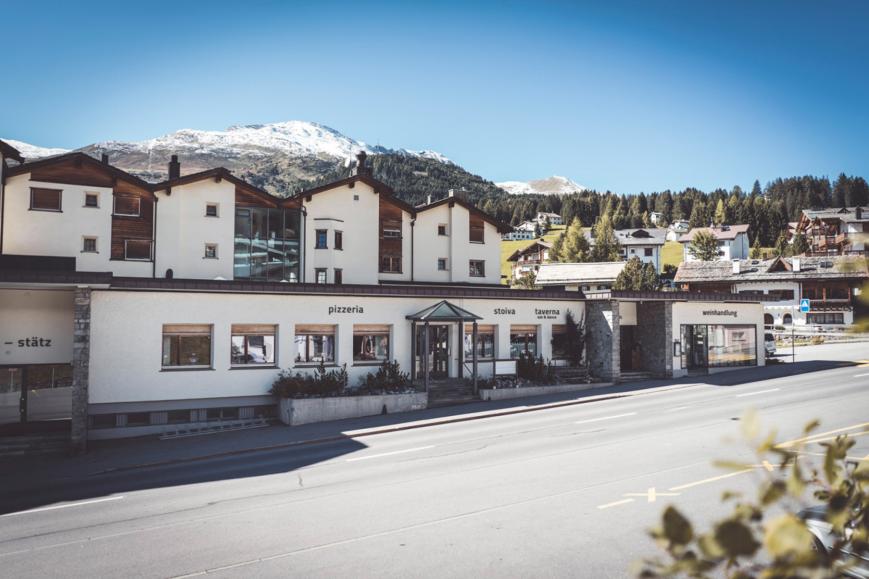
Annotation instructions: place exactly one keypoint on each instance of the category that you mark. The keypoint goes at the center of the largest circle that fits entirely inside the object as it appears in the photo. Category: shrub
(535, 370)
(388, 378)
(321, 384)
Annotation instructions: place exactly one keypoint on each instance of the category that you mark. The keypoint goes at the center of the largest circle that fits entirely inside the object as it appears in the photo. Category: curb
(362, 433)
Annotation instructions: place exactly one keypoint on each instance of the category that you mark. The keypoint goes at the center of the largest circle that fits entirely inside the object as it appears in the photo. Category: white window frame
(480, 261)
(206, 256)
(91, 194)
(151, 252)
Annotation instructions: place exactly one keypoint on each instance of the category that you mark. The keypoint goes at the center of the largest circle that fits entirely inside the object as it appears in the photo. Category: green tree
(782, 247)
(606, 245)
(637, 276)
(557, 248)
(720, 217)
(800, 244)
(704, 245)
(526, 281)
(575, 246)
(698, 215)
(756, 249)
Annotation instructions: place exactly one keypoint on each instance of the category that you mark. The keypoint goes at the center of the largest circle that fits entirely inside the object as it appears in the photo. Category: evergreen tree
(704, 246)
(651, 282)
(720, 213)
(782, 247)
(557, 248)
(575, 247)
(799, 245)
(606, 245)
(698, 215)
(637, 276)
(646, 220)
(756, 249)
(526, 281)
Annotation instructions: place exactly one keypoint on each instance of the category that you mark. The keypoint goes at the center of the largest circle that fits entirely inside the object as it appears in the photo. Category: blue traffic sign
(804, 305)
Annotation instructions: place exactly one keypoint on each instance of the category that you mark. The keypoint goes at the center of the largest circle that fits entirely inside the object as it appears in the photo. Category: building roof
(529, 248)
(452, 200)
(218, 173)
(721, 233)
(10, 152)
(79, 158)
(777, 269)
(444, 311)
(650, 236)
(846, 214)
(579, 273)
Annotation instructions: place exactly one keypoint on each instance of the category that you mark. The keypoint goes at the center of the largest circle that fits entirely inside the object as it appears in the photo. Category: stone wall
(654, 333)
(603, 337)
(80, 367)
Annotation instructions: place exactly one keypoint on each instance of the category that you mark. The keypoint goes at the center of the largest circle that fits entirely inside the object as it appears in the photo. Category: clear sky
(627, 95)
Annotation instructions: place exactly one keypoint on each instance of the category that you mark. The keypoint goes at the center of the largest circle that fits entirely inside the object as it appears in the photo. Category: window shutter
(41, 198)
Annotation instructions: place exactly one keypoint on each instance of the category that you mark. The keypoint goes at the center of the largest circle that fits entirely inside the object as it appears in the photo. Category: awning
(444, 311)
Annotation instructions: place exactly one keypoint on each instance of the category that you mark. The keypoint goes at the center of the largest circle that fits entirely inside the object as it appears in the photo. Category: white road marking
(66, 506)
(652, 494)
(758, 392)
(615, 504)
(417, 449)
(678, 408)
(605, 418)
(860, 375)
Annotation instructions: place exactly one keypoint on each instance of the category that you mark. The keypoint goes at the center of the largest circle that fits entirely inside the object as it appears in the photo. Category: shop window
(485, 342)
(320, 275)
(370, 343)
(210, 251)
(127, 206)
(523, 341)
(186, 346)
(253, 345)
(44, 376)
(560, 342)
(315, 344)
(322, 237)
(211, 210)
(137, 249)
(732, 346)
(442, 264)
(339, 240)
(89, 245)
(339, 276)
(42, 199)
(477, 268)
(91, 199)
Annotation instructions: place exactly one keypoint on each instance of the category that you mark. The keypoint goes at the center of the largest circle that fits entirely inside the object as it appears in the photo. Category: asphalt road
(567, 491)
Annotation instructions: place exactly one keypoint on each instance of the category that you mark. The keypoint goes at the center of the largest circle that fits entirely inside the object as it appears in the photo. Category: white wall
(428, 246)
(640, 251)
(126, 336)
(27, 232)
(39, 314)
(703, 313)
(183, 230)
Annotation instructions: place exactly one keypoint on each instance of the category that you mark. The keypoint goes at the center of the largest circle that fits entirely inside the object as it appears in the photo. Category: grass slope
(508, 247)
(672, 254)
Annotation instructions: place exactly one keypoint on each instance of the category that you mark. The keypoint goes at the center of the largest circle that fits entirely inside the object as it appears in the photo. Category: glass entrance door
(696, 350)
(11, 392)
(438, 350)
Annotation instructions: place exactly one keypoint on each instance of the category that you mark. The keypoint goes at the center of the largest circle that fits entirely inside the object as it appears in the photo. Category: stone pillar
(655, 336)
(603, 339)
(81, 347)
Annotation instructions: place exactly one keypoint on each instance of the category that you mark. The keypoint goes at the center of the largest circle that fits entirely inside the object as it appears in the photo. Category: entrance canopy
(444, 311)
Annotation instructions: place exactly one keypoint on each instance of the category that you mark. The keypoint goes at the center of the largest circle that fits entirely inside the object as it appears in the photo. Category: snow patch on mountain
(29, 151)
(555, 185)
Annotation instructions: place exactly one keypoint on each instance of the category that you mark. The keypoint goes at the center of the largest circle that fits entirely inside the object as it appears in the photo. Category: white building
(518, 235)
(732, 242)
(646, 244)
(656, 217)
(587, 276)
(134, 308)
(529, 259)
(677, 229)
(554, 218)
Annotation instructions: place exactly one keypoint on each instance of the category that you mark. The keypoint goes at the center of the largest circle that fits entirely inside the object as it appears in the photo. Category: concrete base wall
(296, 411)
(508, 393)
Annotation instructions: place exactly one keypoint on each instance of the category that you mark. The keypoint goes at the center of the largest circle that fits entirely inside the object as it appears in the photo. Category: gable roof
(579, 273)
(77, 157)
(453, 200)
(846, 214)
(219, 173)
(641, 236)
(724, 232)
(776, 269)
(10, 152)
(379, 187)
(528, 249)
(444, 311)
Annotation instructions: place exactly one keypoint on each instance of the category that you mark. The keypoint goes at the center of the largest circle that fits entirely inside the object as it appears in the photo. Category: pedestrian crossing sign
(804, 305)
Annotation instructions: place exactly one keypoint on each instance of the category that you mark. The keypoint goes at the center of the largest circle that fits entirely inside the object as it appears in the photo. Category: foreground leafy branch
(768, 535)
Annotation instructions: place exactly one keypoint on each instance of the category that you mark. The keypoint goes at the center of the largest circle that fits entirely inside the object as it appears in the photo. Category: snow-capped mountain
(555, 185)
(29, 151)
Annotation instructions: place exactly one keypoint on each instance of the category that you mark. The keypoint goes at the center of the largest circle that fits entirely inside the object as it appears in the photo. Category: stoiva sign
(539, 313)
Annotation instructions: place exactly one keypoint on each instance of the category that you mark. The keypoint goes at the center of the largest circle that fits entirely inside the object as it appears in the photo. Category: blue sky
(626, 95)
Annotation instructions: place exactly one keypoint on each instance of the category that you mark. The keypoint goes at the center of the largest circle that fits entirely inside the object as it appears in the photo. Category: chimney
(795, 264)
(105, 158)
(174, 168)
(737, 266)
(361, 167)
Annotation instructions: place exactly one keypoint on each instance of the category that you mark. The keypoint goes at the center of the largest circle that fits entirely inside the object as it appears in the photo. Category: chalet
(646, 244)
(732, 242)
(529, 259)
(843, 231)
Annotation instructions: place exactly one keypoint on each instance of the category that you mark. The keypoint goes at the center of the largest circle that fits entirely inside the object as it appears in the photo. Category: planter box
(296, 411)
(506, 393)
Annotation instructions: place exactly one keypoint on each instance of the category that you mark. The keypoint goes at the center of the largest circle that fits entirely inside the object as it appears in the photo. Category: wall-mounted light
(677, 348)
